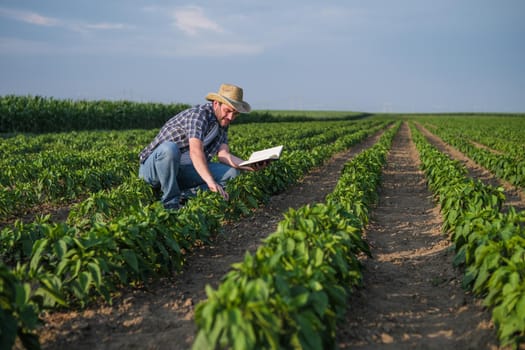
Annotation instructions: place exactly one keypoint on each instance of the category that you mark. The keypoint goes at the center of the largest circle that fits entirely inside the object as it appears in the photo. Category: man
(179, 157)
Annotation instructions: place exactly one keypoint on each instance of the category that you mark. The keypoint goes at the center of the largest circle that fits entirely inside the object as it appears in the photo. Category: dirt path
(161, 316)
(411, 297)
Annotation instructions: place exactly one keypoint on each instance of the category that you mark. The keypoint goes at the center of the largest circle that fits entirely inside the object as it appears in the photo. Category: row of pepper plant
(59, 168)
(489, 243)
(292, 292)
(130, 238)
(500, 133)
(506, 160)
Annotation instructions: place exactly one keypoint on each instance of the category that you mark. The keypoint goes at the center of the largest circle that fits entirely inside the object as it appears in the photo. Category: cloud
(29, 17)
(192, 21)
(197, 35)
(201, 36)
(104, 26)
(74, 25)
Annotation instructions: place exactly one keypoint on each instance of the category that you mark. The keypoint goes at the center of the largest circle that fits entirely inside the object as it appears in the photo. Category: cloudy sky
(374, 55)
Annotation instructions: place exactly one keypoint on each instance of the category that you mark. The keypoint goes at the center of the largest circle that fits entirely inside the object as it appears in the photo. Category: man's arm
(227, 158)
(201, 166)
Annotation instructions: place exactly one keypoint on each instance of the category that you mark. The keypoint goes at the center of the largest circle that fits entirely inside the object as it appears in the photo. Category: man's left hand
(259, 165)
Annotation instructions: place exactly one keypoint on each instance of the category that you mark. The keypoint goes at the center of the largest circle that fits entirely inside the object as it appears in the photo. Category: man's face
(224, 113)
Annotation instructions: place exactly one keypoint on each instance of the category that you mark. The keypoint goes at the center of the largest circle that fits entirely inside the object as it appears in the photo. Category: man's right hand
(215, 187)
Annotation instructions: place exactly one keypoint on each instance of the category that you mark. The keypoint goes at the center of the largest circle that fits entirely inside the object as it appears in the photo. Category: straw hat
(232, 96)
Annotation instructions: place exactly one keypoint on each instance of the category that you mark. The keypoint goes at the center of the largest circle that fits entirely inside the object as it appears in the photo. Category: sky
(371, 56)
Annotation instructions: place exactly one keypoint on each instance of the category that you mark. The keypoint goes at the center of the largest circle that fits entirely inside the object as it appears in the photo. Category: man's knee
(167, 151)
(231, 173)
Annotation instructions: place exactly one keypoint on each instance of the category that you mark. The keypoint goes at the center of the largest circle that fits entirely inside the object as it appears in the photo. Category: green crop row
(503, 134)
(504, 166)
(38, 114)
(292, 291)
(67, 265)
(490, 244)
(60, 168)
(106, 206)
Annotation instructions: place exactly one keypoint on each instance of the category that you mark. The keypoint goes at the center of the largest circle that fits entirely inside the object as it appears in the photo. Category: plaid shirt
(195, 122)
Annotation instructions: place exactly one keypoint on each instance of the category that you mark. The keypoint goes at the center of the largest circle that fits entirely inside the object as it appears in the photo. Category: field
(370, 232)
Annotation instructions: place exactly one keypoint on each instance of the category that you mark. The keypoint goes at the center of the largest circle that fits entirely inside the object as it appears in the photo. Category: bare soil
(411, 297)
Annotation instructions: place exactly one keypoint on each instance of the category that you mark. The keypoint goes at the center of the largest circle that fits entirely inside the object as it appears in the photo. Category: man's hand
(259, 165)
(227, 158)
(215, 187)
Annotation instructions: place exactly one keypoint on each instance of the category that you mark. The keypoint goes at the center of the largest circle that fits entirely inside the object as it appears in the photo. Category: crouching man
(179, 157)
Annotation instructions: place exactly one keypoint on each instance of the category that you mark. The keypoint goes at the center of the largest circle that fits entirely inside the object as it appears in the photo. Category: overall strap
(185, 157)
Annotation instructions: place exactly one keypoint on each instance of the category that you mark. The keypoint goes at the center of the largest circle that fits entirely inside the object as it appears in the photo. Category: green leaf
(60, 248)
(509, 326)
(202, 341)
(483, 275)
(300, 300)
(319, 257)
(309, 337)
(289, 246)
(320, 301)
(22, 294)
(520, 307)
(95, 273)
(64, 262)
(235, 316)
(76, 270)
(51, 292)
(38, 249)
(130, 257)
(240, 342)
